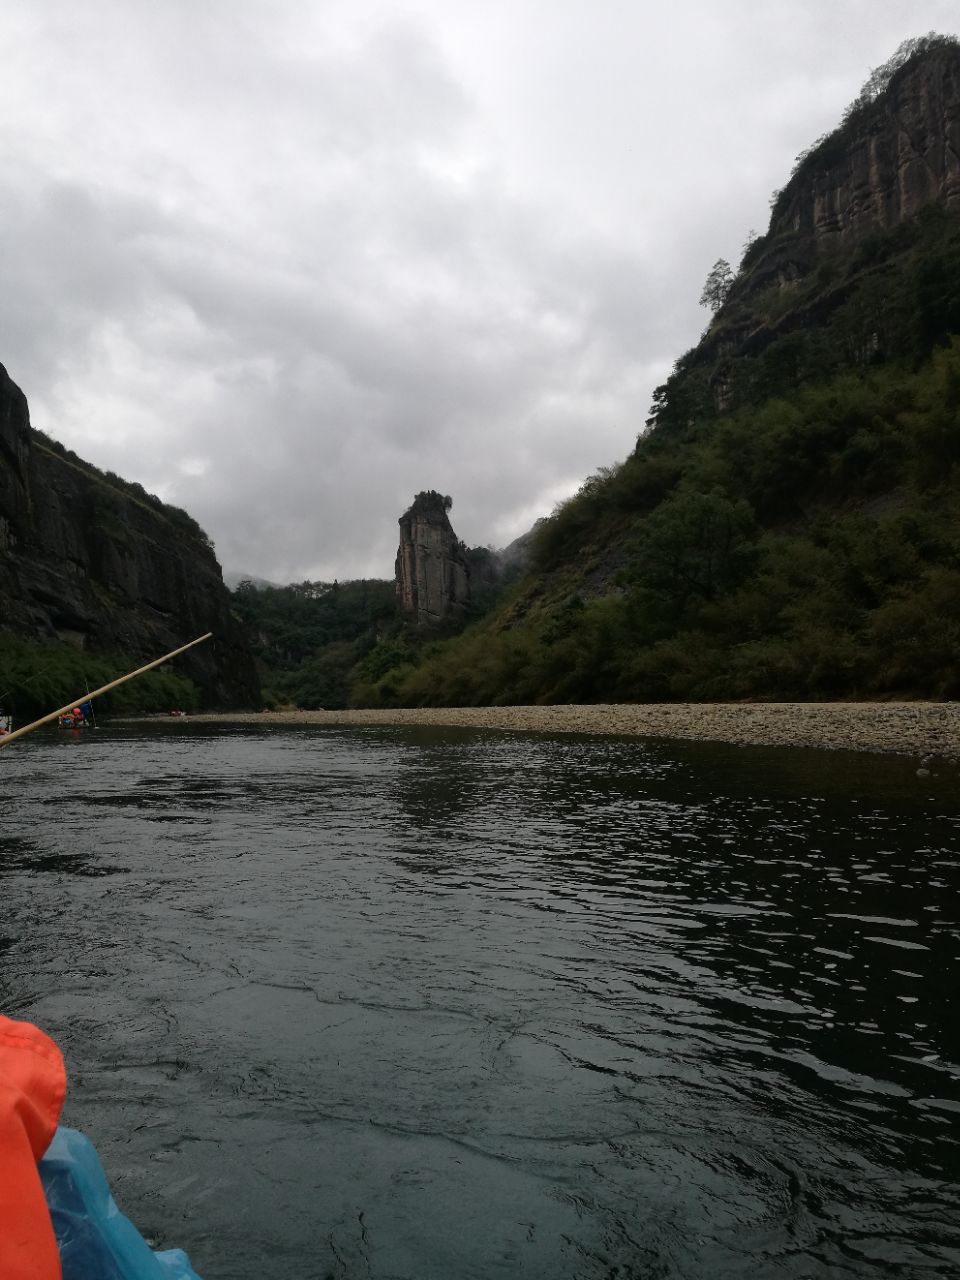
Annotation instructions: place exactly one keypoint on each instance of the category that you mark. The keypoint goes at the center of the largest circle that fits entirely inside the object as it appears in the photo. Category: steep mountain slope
(102, 567)
(789, 524)
(860, 263)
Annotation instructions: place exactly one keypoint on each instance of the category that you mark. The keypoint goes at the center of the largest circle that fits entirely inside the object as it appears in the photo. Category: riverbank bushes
(309, 637)
(38, 676)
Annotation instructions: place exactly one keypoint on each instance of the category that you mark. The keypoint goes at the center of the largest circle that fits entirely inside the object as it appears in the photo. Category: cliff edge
(88, 559)
(859, 264)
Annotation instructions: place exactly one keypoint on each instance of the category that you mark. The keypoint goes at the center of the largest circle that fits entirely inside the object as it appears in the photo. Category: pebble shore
(906, 728)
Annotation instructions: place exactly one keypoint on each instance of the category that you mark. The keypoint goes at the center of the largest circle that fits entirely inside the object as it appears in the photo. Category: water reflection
(412, 1003)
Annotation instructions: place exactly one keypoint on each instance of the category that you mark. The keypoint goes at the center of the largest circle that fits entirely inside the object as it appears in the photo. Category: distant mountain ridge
(233, 577)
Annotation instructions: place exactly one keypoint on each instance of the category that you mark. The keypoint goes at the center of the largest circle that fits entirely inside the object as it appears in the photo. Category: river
(440, 1004)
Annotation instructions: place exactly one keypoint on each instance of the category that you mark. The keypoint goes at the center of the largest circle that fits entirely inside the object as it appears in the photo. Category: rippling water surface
(440, 1005)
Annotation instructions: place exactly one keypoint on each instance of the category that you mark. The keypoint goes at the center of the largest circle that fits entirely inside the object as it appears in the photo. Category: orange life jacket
(33, 1083)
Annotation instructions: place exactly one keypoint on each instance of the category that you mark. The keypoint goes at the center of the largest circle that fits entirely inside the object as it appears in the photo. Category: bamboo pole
(18, 733)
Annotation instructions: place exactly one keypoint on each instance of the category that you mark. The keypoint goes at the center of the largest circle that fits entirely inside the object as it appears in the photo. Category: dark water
(438, 1005)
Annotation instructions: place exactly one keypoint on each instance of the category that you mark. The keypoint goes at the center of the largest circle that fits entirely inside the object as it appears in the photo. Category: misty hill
(96, 576)
(789, 523)
(233, 577)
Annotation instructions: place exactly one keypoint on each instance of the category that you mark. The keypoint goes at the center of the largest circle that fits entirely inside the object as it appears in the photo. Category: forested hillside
(309, 636)
(789, 524)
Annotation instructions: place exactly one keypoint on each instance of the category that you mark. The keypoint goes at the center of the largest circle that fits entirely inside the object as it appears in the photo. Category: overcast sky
(286, 263)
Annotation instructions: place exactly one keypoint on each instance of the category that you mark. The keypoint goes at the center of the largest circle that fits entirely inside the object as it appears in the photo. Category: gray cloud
(287, 264)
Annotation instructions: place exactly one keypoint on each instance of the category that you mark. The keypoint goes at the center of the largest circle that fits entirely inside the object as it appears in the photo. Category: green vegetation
(309, 637)
(40, 676)
(807, 548)
(339, 644)
(717, 285)
(429, 501)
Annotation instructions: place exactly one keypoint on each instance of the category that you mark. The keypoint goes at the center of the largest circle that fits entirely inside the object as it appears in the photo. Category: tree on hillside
(717, 286)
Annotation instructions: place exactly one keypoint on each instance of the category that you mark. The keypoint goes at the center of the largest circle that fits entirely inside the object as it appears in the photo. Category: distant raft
(80, 717)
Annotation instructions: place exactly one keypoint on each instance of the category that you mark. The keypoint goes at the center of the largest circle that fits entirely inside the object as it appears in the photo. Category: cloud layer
(287, 264)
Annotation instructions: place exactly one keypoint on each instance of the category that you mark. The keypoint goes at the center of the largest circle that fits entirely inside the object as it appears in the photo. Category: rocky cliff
(860, 261)
(88, 559)
(896, 155)
(433, 578)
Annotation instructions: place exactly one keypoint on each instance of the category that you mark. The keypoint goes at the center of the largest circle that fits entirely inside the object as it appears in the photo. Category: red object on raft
(33, 1084)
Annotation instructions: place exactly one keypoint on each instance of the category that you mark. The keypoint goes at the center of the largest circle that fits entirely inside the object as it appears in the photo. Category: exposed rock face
(894, 165)
(907, 156)
(433, 580)
(89, 562)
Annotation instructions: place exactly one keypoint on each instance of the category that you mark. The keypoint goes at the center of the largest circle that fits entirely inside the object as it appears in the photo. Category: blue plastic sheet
(96, 1241)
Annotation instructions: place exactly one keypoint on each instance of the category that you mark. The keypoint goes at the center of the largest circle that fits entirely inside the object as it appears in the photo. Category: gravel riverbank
(907, 728)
